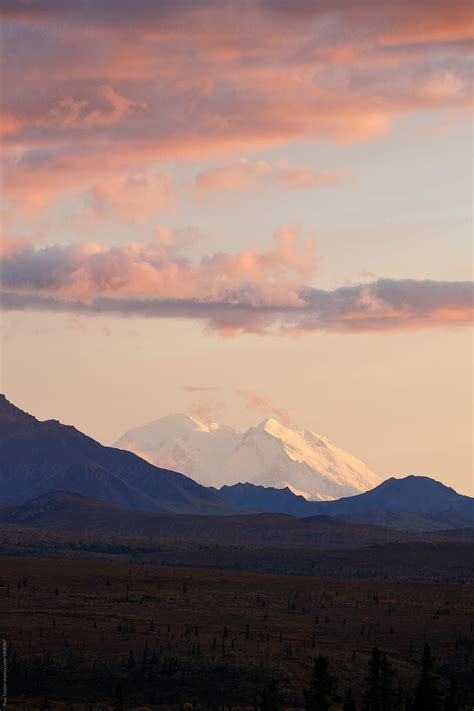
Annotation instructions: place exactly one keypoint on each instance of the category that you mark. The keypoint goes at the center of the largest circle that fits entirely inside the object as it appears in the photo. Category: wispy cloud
(207, 411)
(72, 113)
(261, 402)
(245, 175)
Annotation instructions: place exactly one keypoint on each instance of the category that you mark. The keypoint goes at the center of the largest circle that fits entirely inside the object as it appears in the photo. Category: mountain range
(64, 511)
(41, 457)
(415, 503)
(48, 469)
(270, 455)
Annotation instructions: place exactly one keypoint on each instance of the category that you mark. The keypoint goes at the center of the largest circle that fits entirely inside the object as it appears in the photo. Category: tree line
(380, 694)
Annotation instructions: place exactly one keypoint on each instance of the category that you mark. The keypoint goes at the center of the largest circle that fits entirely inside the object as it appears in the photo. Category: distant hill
(414, 503)
(41, 457)
(252, 497)
(409, 521)
(270, 454)
(72, 513)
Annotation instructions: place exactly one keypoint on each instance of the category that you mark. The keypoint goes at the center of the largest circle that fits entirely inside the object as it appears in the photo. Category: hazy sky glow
(240, 209)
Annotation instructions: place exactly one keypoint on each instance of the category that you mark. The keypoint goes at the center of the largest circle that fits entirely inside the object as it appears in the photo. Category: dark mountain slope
(40, 457)
(412, 503)
(412, 493)
(73, 513)
(262, 498)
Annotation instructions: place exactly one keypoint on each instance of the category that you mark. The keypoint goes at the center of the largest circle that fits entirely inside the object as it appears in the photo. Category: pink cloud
(84, 271)
(397, 306)
(9, 124)
(113, 189)
(236, 176)
(108, 91)
(252, 291)
(245, 175)
(261, 402)
(11, 245)
(117, 89)
(134, 197)
(207, 411)
(72, 113)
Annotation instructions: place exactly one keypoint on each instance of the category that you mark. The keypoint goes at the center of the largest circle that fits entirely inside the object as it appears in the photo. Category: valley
(172, 636)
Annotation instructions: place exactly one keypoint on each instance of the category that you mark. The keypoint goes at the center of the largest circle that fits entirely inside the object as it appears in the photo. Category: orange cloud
(244, 175)
(261, 402)
(10, 245)
(73, 113)
(112, 90)
(207, 411)
(251, 291)
(113, 189)
(236, 176)
(80, 272)
(9, 124)
(403, 305)
(134, 197)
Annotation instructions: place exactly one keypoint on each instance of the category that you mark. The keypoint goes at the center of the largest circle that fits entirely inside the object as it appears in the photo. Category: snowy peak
(181, 442)
(271, 426)
(269, 454)
(317, 440)
(290, 436)
(178, 424)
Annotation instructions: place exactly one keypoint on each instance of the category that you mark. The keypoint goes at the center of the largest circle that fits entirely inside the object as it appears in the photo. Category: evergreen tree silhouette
(427, 695)
(270, 700)
(388, 694)
(451, 702)
(118, 703)
(349, 703)
(380, 694)
(373, 700)
(321, 694)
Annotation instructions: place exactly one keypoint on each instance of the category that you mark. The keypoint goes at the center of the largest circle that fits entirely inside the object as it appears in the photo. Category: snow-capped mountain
(269, 454)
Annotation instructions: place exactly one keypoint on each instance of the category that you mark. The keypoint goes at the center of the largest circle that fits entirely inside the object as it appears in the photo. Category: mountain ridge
(409, 503)
(71, 512)
(37, 457)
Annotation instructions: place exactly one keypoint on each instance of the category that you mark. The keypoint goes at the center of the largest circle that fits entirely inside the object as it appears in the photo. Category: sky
(240, 210)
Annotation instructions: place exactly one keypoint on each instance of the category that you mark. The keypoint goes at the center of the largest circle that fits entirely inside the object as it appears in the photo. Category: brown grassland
(174, 636)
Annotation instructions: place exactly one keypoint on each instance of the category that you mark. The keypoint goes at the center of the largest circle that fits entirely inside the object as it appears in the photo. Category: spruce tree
(349, 703)
(270, 700)
(451, 701)
(118, 703)
(373, 700)
(387, 691)
(427, 695)
(380, 693)
(321, 694)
